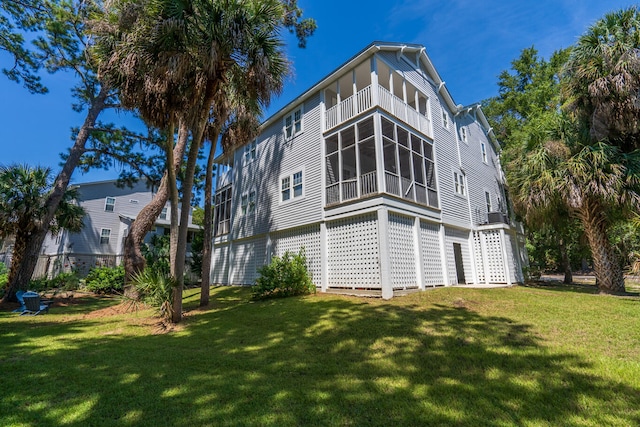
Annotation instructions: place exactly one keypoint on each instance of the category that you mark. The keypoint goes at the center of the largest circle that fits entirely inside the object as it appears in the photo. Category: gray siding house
(109, 213)
(385, 182)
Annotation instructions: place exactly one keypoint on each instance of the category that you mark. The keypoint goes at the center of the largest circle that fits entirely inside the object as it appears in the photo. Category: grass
(523, 356)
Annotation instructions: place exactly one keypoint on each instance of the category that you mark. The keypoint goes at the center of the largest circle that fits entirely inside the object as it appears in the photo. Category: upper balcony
(373, 84)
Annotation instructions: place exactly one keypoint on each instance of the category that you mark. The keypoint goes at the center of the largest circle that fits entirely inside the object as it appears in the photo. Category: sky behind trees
(469, 42)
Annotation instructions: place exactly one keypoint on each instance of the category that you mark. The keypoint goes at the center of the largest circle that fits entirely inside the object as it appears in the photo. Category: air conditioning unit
(497, 218)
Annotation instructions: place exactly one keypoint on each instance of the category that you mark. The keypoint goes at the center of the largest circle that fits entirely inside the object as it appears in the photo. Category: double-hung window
(463, 134)
(163, 214)
(109, 204)
(250, 151)
(445, 119)
(487, 198)
(458, 181)
(291, 186)
(483, 150)
(105, 233)
(293, 123)
(248, 202)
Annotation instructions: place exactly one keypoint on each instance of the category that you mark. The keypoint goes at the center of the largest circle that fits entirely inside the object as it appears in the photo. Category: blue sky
(469, 41)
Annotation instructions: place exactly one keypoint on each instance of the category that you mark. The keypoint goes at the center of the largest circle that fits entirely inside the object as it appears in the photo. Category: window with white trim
(250, 151)
(487, 198)
(291, 186)
(293, 123)
(163, 214)
(105, 233)
(445, 119)
(222, 211)
(109, 204)
(463, 134)
(483, 150)
(458, 181)
(248, 202)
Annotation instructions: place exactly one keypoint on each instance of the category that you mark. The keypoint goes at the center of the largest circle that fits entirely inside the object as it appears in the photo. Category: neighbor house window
(250, 151)
(291, 186)
(445, 119)
(105, 233)
(293, 123)
(458, 180)
(109, 204)
(248, 202)
(163, 214)
(483, 149)
(487, 198)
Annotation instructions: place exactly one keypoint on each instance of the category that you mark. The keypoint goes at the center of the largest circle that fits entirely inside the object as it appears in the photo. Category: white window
(463, 134)
(109, 204)
(291, 186)
(487, 198)
(250, 151)
(248, 202)
(163, 214)
(105, 233)
(458, 180)
(293, 123)
(445, 119)
(483, 149)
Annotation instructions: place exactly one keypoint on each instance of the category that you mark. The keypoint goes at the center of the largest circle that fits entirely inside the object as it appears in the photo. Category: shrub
(156, 289)
(4, 275)
(105, 280)
(284, 277)
(68, 281)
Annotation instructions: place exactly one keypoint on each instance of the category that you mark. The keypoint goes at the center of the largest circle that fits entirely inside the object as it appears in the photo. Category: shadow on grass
(583, 288)
(304, 361)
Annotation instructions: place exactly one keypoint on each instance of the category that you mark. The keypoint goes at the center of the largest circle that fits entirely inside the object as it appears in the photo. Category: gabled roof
(372, 48)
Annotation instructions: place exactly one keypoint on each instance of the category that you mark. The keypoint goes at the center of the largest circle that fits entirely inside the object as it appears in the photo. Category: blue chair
(20, 297)
(33, 305)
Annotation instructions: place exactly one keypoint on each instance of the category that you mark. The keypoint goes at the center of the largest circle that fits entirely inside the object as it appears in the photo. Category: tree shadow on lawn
(583, 288)
(309, 361)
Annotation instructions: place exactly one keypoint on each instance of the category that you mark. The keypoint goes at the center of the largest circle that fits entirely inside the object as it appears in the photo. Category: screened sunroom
(405, 159)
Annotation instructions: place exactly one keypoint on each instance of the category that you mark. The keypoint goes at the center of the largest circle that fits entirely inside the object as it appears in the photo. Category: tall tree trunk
(26, 266)
(609, 275)
(566, 264)
(20, 255)
(208, 226)
(134, 261)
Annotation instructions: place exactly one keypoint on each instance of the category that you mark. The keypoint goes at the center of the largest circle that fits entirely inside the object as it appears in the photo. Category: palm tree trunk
(566, 264)
(609, 275)
(26, 266)
(20, 256)
(208, 227)
(134, 261)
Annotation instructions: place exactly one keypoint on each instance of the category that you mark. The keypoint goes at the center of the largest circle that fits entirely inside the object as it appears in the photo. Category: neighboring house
(385, 181)
(109, 213)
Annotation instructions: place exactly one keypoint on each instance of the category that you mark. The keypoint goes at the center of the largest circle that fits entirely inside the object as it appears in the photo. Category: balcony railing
(352, 189)
(363, 100)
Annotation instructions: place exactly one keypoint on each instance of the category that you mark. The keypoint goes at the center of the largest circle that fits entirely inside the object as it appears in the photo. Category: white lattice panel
(514, 261)
(402, 252)
(477, 247)
(431, 254)
(353, 252)
(220, 269)
(307, 237)
(452, 236)
(493, 256)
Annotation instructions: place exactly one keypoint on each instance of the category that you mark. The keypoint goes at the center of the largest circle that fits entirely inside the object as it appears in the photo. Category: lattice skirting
(307, 237)
(353, 253)
(431, 254)
(402, 252)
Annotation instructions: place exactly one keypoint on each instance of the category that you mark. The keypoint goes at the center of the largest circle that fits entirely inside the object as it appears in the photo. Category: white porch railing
(368, 183)
(363, 101)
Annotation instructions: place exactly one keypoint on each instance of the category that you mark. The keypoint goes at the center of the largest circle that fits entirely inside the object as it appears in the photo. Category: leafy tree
(23, 208)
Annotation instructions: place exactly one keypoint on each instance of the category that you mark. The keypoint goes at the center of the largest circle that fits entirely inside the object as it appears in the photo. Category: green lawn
(522, 356)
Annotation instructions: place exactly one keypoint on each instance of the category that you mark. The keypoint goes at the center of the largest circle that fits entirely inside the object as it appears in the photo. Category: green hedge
(284, 277)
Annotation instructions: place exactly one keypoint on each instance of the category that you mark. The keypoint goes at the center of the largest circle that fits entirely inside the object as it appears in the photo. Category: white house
(109, 213)
(385, 181)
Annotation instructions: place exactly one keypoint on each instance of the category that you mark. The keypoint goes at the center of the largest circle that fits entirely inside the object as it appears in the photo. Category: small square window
(105, 233)
(109, 204)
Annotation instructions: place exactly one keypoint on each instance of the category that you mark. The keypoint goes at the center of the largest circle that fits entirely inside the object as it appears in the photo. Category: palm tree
(23, 206)
(602, 79)
(191, 49)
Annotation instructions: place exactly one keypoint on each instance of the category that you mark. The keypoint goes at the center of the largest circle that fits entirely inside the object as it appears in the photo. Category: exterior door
(457, 255)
